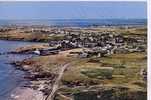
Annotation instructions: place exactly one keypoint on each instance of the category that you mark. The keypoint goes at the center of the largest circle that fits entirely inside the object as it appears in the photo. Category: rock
(26, 67)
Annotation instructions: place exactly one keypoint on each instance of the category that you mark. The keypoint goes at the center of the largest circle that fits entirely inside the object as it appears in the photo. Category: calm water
(76, 22)
(10, 78)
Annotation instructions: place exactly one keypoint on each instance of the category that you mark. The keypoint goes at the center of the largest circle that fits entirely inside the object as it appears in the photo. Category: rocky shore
(40, 81)
(22, 93)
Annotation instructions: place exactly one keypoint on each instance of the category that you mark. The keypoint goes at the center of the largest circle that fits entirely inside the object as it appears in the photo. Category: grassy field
(117, 69)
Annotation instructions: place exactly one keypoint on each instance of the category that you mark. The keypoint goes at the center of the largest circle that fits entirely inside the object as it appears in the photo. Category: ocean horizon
(74, 22)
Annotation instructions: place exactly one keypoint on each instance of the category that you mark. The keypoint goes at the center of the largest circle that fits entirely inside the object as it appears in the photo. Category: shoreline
(34, 90)
(19, 40)
(37, 86)
(25, 93)
(40, 81)
(94, 66)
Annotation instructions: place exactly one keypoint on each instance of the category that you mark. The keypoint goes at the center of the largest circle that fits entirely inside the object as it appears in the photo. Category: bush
(100, 73)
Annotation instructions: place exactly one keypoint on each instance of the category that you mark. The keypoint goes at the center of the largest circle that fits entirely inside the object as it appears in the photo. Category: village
(92, 42)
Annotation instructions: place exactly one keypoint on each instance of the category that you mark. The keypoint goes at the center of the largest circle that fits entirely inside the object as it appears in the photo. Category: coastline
(35, 87)
(40, 81)
(77, 78)
(43, 81)
(21, 93)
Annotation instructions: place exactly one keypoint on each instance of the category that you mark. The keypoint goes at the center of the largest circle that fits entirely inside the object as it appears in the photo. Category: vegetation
(100, 73)
(119, 74)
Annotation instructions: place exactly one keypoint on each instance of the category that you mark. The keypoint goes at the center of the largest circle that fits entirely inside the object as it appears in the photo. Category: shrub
(100, 73)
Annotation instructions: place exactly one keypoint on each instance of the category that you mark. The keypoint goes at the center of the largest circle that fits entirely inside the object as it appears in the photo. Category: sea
(75, 22)
(10, 77)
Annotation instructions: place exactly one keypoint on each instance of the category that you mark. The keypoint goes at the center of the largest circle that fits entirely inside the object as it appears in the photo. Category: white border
(77, 0)
(149, 50)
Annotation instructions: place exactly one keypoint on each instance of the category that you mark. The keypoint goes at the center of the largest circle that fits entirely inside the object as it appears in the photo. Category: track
(56, 83)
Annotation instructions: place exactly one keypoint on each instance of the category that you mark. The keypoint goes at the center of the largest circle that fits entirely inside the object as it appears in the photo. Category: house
(119, 39)
(99, 52)
(120, 50)
(143, 73)
(47, 51)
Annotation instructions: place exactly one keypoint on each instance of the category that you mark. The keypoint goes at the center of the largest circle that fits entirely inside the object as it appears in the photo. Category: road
(56, 83)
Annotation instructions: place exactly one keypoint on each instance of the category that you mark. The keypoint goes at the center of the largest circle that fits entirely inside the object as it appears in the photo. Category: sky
(73, 10)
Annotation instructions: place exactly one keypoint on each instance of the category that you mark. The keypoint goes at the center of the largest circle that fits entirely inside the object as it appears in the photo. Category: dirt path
(56, 84)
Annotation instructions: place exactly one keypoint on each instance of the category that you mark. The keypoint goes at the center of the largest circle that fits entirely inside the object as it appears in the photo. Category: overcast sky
(72, 10)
